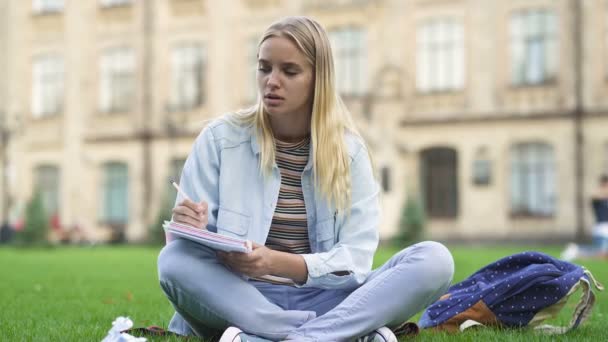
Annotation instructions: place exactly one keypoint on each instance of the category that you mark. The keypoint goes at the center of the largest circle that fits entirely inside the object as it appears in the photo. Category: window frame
(41, 7)
(187, 52)
(114, 3)
(251, 92)
(546, 41)
(48, 85)
(440, 46)
(350, 46)
(110, 186)
(115, 64)
(48, 178)
(528, 187)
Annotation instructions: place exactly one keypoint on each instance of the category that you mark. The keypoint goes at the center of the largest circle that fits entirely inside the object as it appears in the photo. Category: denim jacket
(223, 169)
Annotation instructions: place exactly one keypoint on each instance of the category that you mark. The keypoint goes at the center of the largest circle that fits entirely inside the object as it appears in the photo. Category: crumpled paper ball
(115, 335)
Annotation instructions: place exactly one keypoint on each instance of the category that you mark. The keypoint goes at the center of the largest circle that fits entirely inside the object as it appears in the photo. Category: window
(440, 56)
(117, 86)
(47, 86)
(252, 61)
(350, 60)
(47, 6)
(115, 193)
(606, 40)
(534, 51)
(47, 183)
(187, 82)
(114, 3)
(532, 180)
(440, 182)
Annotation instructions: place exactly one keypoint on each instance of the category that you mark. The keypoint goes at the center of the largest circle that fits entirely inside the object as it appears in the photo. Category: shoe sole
(231, 335)
(387, 334)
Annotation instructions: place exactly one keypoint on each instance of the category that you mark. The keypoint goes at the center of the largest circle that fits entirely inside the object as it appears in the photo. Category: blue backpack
(521, 290)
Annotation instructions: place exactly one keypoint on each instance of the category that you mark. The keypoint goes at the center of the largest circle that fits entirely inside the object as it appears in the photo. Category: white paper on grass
(121, 324)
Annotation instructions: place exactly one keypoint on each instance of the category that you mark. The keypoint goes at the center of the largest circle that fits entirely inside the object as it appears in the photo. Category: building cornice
(137, 137)
(491, 118)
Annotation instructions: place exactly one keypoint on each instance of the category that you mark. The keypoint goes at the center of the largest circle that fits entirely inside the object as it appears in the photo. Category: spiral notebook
(210, 239)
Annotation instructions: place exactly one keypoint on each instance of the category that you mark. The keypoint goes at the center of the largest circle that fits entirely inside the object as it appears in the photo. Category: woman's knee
(168, 260)
(439, 265)
(176, 258)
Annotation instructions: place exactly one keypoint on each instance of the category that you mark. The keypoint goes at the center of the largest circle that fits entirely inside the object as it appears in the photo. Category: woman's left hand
(256, 263)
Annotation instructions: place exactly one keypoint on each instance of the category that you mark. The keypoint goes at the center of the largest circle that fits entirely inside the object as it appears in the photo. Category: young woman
(294, 176)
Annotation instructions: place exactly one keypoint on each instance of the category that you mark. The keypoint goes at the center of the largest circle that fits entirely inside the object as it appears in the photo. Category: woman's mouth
(273, 100)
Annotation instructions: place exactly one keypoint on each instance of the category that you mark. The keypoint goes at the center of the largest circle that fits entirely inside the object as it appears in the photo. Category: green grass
(74, 293)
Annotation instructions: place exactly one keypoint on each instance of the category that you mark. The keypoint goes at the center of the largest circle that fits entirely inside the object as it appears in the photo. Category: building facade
(493, 114)
(4, 67)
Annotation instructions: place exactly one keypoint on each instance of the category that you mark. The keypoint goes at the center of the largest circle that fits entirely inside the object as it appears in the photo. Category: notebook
(210, 239)
(219, 242)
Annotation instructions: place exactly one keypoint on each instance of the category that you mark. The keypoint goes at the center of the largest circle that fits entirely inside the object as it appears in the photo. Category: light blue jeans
(208, 297)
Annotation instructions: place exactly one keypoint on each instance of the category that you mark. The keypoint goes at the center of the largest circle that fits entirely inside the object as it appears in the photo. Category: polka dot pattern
(514, 288)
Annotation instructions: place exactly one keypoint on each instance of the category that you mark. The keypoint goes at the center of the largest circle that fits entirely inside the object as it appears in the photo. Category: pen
(180, 190)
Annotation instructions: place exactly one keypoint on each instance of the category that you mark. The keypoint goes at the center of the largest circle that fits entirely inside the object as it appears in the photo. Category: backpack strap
(596, 283)
(583, 308)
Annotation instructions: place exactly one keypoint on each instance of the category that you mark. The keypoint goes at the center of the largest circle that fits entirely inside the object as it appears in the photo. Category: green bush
(156, 233)
(412, 222)
(36, 225)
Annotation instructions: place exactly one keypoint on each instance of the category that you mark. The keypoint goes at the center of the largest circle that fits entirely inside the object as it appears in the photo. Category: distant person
(293, 175)
(599, 204)
(6, 232)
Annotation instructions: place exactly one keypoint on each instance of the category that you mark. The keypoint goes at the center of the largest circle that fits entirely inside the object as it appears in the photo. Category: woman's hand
(257, 263)
(191, 213)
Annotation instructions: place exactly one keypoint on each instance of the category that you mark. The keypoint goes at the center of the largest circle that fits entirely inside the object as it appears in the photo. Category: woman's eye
(264, 69)
(290, 73)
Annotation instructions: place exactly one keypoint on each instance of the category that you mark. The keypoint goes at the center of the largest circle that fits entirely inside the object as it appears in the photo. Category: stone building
(493, 114)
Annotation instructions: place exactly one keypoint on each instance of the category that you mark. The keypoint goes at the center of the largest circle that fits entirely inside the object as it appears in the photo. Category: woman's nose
(273, 79)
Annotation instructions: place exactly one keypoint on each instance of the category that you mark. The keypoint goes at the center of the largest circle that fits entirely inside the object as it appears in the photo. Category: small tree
(412, 222)
(156, 233)
(36, 225)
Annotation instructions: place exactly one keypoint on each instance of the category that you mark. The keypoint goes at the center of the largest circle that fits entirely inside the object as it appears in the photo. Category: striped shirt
(289, 227)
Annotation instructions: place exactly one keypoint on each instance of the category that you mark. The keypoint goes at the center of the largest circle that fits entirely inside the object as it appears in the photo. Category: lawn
(74, 293)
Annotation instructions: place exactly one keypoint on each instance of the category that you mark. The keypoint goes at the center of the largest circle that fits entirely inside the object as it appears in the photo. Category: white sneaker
(231, 335)
(383, 334)
(570, 253)
(234, 334)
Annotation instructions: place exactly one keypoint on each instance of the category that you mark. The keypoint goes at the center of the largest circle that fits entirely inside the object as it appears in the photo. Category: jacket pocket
(325, 234)
(231, 223)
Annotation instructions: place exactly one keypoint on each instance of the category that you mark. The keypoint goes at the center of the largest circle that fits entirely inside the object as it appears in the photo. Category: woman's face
(285, 78)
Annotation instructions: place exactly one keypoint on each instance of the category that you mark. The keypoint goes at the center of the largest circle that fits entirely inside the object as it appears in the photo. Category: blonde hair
(330, 117)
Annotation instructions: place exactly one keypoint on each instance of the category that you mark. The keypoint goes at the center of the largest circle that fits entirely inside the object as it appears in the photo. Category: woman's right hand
(191, 213)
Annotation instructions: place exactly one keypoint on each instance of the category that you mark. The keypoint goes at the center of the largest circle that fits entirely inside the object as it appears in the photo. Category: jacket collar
(255, 147)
